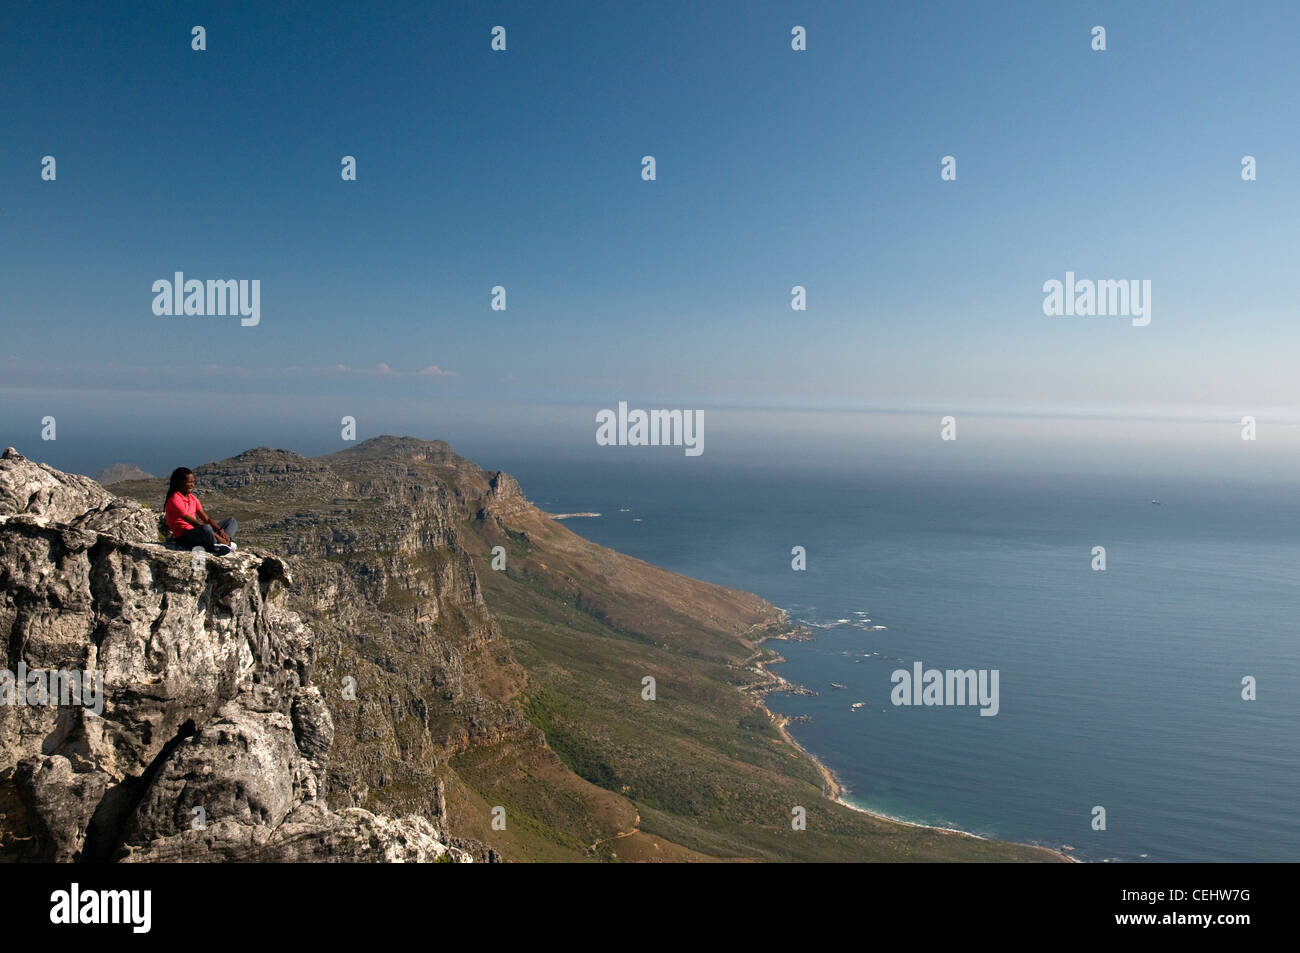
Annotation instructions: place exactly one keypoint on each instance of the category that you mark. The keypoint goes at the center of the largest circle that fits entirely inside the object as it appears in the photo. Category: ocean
(1119, 689)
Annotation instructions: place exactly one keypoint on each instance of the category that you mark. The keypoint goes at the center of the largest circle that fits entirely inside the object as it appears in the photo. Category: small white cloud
(437, 371)
(385, 369)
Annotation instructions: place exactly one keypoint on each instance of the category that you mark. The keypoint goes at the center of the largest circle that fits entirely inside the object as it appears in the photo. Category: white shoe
(230, 545)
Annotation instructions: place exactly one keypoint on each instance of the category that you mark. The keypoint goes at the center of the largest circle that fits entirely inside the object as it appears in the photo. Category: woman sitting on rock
(189, 525)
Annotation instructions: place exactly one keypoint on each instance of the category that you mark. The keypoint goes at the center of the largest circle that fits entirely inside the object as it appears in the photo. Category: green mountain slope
(522, 688)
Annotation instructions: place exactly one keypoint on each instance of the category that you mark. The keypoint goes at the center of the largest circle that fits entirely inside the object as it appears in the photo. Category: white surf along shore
(835, 789)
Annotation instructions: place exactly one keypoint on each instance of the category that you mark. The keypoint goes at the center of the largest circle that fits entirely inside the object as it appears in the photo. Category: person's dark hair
(178, 482)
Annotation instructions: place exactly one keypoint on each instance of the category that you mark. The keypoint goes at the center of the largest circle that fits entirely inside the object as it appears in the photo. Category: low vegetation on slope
(523, 688)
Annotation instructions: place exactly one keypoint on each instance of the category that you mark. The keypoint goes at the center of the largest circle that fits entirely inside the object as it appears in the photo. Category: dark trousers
(205, 537)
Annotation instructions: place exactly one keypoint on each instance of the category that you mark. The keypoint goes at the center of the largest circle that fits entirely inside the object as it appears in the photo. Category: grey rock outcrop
(208, 740)
(504, 497)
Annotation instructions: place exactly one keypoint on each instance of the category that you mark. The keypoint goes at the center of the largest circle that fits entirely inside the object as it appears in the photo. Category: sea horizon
(976, 567)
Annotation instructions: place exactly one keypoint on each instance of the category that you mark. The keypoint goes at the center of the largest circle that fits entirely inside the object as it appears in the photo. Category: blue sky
(522, 169)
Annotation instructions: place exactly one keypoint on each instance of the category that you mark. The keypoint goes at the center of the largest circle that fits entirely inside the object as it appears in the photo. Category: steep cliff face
(411, 663)
(414, 665)
(206, 739)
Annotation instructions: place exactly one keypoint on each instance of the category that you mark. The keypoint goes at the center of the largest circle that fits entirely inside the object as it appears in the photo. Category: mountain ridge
(520, 690)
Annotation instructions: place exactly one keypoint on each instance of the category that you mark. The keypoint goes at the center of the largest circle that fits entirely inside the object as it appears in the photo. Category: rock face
(504, 498)
(413, 671)
(207, 741)
(397, 606)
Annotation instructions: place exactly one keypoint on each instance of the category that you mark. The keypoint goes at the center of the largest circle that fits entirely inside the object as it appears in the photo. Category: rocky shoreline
(833, 787)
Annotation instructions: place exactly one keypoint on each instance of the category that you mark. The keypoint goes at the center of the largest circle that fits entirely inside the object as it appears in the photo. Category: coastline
(833, 789)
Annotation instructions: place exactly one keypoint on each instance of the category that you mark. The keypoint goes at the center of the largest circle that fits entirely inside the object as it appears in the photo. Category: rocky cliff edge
(185, 725)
